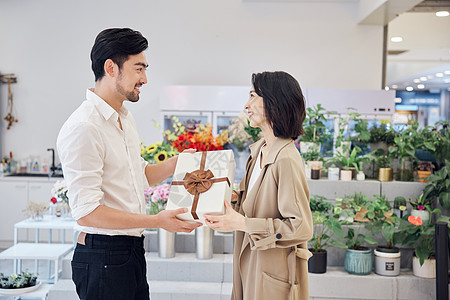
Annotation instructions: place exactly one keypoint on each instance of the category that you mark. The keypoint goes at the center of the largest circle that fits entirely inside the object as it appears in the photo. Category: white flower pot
(427, 270)
(387, 264)
(346, 175)
(423, 214)
(333, 173)
(360, 176)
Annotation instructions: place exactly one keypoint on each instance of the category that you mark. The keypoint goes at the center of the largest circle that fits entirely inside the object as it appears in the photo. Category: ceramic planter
(387, 261)
(358, 262)
(385, 174)
(317, 263)
(166, 243)
(346, 175)
(333, 173)
(360, 176)
(423, 214)
(423, 175)
(427, 270)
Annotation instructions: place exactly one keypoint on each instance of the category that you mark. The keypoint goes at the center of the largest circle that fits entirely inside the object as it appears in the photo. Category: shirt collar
(279, 144)
(103, 107)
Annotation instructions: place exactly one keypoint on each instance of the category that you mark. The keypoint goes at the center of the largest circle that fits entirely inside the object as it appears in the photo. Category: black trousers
(110, 267)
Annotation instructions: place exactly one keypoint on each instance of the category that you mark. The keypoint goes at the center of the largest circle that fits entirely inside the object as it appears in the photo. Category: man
(99, 149)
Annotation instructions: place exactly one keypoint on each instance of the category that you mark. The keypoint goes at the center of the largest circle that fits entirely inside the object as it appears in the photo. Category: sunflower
(172, 153)
(161, 156)
(152, 148)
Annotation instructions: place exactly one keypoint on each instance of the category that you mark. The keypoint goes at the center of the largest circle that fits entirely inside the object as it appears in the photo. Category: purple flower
(420, 207)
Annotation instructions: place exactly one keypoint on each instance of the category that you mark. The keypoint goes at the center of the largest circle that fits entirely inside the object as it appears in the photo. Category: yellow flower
(152, 148)
(158, 144)
(172, 153)
(161, 156)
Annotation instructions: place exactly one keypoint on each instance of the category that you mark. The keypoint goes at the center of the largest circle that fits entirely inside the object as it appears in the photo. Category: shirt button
(279, 236)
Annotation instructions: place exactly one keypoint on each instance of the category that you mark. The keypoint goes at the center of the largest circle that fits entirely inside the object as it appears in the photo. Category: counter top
(6, 178)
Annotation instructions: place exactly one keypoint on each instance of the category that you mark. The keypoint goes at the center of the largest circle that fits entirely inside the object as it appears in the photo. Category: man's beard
(131, 96)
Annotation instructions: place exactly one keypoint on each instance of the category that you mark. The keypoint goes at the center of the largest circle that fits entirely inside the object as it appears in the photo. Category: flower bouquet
(156, 198)
(157, 152)
(200, 138)
(59, 199)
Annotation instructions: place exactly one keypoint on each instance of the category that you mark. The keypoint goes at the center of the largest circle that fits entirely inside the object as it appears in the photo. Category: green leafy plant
(405, 143)
(421, 203)
(253, 132)
(442, 152)
(314, 124)
(353, 240)
(346, 208)
(343, 133)
(438, 186)
(383, 161)
(381, 134)
(311, 156)
(16, 281)
(327, 229)
(352, 160)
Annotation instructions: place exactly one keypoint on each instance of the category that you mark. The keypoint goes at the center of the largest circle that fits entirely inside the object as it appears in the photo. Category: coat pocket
(274, 288)
(80, 278)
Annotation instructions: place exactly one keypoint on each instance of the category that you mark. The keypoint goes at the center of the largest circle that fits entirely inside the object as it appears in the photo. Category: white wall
(198, 42)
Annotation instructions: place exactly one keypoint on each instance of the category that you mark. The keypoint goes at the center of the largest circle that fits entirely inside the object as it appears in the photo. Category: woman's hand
(230, 221)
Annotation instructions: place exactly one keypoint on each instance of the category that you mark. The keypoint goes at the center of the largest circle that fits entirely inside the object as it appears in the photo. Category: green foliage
(353, 240)
(327, 232)
(314, 125)
(346, 208)
(381, 134)
(253, 132)
(424, 202)
(383, 161)
(310, 156)
(318, 203)
(439, 186)
(353, 160)
(15, 281)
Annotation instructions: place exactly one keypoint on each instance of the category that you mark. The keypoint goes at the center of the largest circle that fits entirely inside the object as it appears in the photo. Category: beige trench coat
(279, 219)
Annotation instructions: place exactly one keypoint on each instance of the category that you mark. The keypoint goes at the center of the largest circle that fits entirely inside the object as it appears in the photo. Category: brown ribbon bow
(199, 181)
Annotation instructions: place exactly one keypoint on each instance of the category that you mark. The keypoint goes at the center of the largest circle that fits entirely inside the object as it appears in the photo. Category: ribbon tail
(194, 206)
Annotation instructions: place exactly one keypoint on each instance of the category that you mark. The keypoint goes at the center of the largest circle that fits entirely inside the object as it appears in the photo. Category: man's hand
(167, 220)
(230, 221)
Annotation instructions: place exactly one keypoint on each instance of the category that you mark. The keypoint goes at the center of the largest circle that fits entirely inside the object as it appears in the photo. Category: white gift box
(190, 174)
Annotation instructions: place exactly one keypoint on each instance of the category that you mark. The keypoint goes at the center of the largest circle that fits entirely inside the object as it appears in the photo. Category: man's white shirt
(102, 163)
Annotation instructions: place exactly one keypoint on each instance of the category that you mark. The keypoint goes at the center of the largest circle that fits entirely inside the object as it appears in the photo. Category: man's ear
(110, 68)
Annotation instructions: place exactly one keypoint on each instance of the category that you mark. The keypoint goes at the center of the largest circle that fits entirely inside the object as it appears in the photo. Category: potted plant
(439, 186)
(358, 258)
(380, 137)
(315, 129)
(421, 207)
(385, 172)
(24, 281)
(424, 169)
(442, 152)
(343, 138)
(399, 206)
(421, 235)
(349, 162)
(312, 159)
(156, 201)
(379, 218)
(327, 232)
(404, 151)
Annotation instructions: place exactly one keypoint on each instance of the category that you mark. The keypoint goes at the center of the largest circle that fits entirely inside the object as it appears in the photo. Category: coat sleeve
(295, 225)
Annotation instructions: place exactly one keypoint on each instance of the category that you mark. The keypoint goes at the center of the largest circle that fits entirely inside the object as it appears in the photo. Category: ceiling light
(442, 13)
(386, 88)
(416, 80)
(420, 86)
(409, 88)
(430, 76)
(423, 78)
(394, 86)
(396, 39)
(447, 72)
(439, 74)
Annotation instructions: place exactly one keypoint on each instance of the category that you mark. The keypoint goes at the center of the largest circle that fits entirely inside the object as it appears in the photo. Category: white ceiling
(427, 41)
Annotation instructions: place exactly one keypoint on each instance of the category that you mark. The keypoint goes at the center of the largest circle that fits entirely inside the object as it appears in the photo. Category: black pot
(317, 262)
(315, 173)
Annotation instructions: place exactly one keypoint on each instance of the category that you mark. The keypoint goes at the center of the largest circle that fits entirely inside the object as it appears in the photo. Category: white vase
(333, 173)
(423, 214)
(360, 176)
(387, 264)
(427, 270)
(346, 175)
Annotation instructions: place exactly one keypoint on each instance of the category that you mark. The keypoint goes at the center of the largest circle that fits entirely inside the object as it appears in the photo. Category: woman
(270, 212)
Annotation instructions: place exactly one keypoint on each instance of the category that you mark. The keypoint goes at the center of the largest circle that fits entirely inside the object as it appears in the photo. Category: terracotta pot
(346, 175)
(422, 175)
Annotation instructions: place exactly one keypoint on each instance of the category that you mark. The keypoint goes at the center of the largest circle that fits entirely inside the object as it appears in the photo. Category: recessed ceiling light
(394, 86)
(420, 86)
(416, 80)
(430, 76)
(409, 88)
(386, 88)
(423, 78)
(439, 74)
(396, 39)
(442, 13)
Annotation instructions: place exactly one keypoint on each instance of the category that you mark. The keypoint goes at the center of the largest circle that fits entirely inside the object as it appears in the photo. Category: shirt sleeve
(81, 153)
(295, 226)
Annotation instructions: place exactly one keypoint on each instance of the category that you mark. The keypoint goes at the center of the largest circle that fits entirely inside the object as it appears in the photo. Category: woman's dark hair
(284, 104)
(115, 44)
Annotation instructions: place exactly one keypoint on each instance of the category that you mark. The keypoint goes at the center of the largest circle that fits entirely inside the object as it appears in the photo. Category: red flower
(415, 220)
(53, 200)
